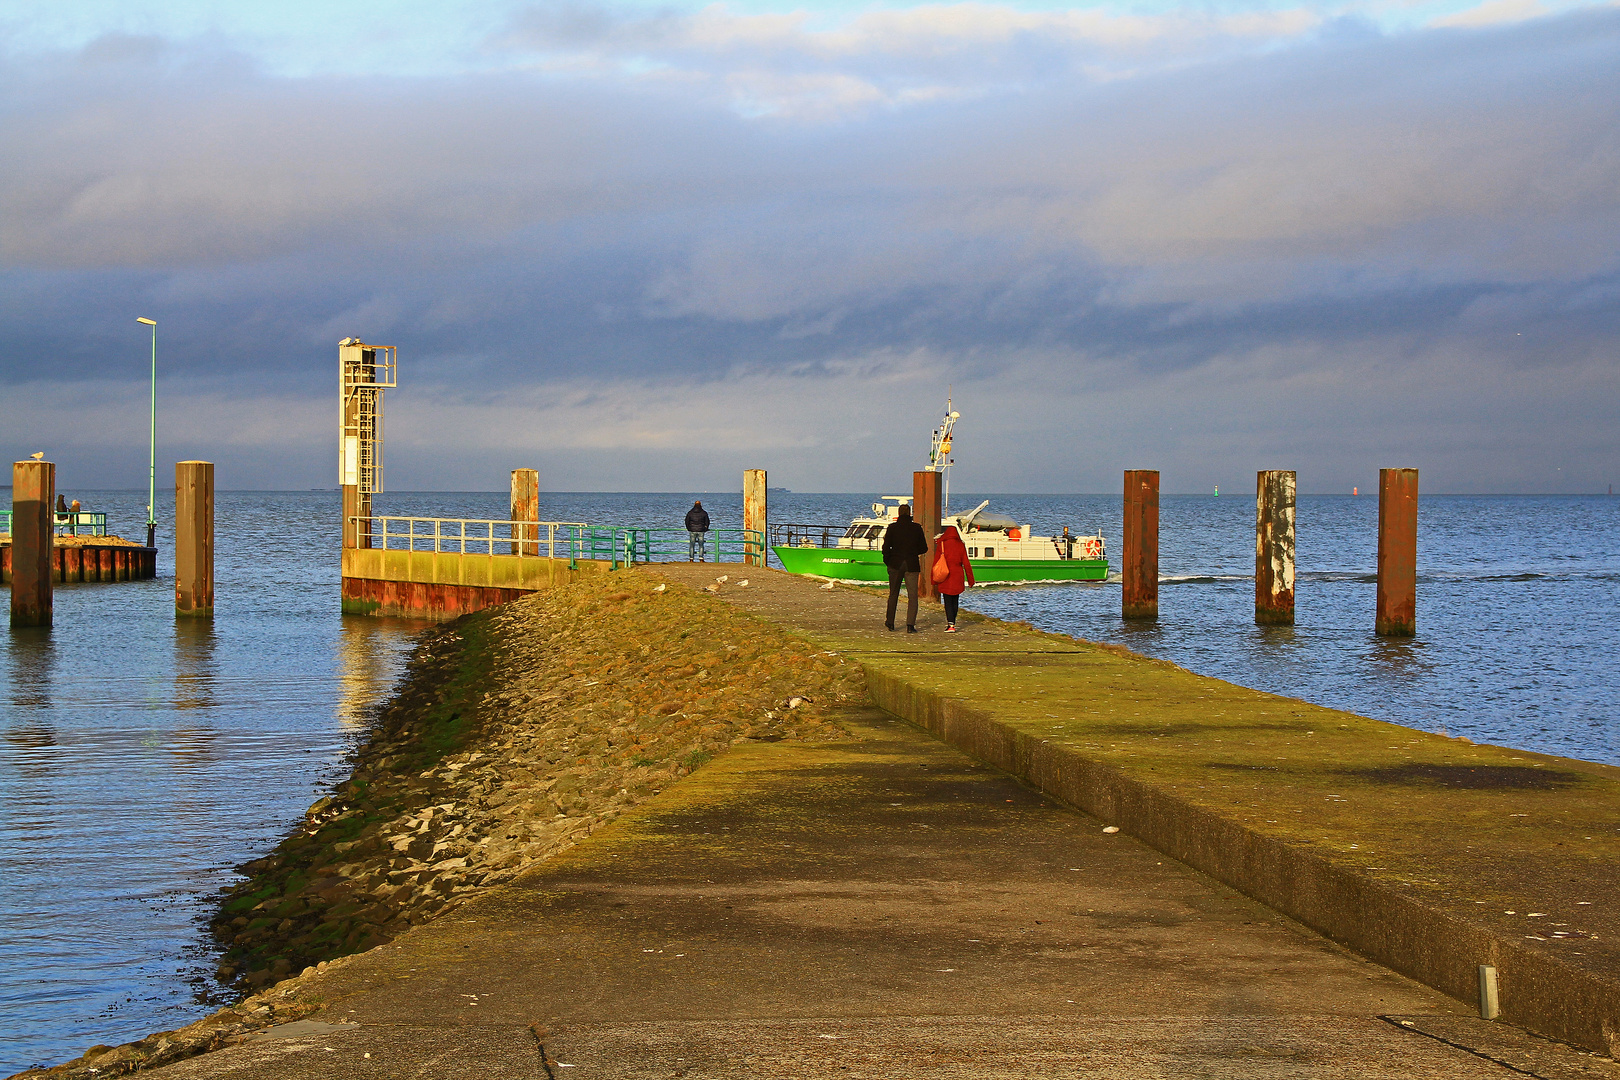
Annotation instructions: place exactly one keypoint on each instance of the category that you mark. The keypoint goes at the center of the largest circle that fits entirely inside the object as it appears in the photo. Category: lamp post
(151, 460)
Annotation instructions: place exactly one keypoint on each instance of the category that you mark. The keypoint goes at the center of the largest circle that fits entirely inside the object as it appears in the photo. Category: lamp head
(148, 322)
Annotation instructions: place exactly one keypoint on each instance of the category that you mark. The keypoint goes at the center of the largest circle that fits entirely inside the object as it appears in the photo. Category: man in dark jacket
(697, 523)
(903, 542)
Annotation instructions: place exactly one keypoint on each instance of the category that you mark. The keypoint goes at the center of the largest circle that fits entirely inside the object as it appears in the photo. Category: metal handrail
(81, 522)
(452, 535)
(673, 545)
(571, 540)
(798, 534)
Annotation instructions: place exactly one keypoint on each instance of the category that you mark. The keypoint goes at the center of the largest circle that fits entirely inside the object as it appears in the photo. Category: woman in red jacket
(948, 546)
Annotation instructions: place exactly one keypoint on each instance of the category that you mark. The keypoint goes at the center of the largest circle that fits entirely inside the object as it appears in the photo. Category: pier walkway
(882, 907)
(889, 906)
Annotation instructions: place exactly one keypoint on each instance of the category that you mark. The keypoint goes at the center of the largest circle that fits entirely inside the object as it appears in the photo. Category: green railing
(80, 523)
(673, 545)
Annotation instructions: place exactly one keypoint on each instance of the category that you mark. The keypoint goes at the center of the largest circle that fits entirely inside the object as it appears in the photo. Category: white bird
(828, 585)
(39, 456)
(661, 588)
(722, 579)
(743, 583)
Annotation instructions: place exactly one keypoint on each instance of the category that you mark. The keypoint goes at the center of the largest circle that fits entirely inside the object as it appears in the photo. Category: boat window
(874, 532)
(855, 532)
(973, 553)
(989, 553)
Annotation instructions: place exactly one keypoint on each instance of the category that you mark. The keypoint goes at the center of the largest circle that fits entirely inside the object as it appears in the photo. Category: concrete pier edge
(1538, 992)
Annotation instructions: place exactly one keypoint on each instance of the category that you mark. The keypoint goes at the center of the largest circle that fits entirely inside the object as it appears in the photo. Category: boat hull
(853, 564)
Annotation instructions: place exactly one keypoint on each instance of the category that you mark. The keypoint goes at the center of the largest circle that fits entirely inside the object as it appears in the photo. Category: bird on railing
(40, 456)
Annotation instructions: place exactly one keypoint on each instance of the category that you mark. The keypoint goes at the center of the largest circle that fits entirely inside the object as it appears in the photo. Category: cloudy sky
(644, 247)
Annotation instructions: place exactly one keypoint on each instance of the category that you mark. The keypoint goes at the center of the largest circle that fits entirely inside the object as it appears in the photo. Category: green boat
(1001, 551)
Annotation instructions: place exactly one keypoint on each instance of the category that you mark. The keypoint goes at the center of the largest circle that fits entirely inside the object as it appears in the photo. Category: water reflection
(366, 665)
(194, 673)
(32, 667)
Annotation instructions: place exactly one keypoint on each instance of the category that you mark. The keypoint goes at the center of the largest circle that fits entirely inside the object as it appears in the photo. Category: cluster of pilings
(1274, 549)
(36, 563)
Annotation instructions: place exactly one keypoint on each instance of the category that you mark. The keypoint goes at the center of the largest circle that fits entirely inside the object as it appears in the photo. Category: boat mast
(939, 453)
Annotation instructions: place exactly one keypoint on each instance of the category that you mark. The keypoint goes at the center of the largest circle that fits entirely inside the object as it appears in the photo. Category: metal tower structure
(364, 372)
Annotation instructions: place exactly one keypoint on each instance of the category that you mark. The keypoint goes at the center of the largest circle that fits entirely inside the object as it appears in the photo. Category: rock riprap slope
(516, 732)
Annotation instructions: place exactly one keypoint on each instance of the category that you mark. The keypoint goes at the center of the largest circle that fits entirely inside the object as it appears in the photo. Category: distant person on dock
(903, 542)
(697, 525)
(948, 547)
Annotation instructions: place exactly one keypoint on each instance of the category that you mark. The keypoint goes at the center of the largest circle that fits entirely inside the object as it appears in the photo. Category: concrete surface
(883, 906)
(1429, 854)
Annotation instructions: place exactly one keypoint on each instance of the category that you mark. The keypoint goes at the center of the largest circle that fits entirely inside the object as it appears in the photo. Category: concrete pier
(526, 507)
(925, 511)
(194, 539)
(1139, 562)
(882, 905)
(1397, 552)
(1274, 548)
(33, 506)
(755, 515)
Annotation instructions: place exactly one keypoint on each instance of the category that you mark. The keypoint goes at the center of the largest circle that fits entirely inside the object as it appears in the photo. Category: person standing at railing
(697, 526)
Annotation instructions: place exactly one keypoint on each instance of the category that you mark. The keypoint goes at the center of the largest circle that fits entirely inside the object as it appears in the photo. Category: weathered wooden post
(1139, 565)
(525, 507)
(194, 538)
(925, 511)
(754, 516)
(33, 532)
(1274, 548)
(1397, 552)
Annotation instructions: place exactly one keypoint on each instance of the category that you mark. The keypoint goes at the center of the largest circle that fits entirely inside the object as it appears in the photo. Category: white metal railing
(475, 536)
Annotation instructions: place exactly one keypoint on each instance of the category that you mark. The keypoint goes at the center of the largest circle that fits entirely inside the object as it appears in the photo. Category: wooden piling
(1139, 565)
(193, 539)
(33, 531)
(925, 511)
(754, 515)
(1397, 552)
(525, 507)
(1274, 548)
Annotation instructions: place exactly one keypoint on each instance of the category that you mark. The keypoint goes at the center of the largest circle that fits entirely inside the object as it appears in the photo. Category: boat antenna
(939, 459)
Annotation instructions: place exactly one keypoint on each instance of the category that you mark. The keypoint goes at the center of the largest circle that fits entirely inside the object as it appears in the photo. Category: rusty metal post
(1397, 552)
(925, 511)
(194, 539)
(525, 507)
(33, 533)
(1139, 565)
(754, 515)
(1274, 547)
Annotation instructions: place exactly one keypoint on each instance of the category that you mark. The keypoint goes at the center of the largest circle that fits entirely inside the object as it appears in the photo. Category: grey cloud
(1352, 220)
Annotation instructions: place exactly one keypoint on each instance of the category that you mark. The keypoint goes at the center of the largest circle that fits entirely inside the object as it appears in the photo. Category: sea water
(143, 757)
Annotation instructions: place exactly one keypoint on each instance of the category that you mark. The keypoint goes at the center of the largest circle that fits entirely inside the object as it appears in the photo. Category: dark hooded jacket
(697, 520)
(903, 542)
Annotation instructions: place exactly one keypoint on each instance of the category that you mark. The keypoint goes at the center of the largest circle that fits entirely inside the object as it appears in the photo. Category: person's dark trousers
(898, 576)
(950, 607)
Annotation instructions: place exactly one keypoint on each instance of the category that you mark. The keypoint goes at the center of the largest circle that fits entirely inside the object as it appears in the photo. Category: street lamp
(151, 461)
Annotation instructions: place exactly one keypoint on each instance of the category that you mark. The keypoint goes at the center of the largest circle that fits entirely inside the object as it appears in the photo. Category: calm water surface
(144, 757)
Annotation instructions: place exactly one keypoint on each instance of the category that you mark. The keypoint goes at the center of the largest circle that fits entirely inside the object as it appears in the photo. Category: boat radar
(939, 459)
